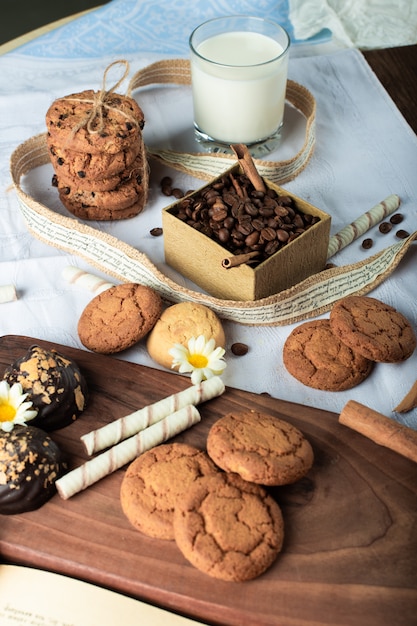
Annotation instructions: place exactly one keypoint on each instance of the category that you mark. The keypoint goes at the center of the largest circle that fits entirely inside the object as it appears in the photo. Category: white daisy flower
(200, 357)
(13, 408)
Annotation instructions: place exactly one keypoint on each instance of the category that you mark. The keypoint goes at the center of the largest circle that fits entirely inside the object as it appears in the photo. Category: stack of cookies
(98, 154)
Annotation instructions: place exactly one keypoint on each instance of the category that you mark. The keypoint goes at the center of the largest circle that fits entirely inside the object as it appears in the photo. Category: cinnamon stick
(248, 166)
(409, 401)
(380, 429)
(238, 259)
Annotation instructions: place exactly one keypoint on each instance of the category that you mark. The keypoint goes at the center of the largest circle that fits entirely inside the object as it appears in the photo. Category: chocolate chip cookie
(156, 481)
(260, 448)
(373, 329)
(84, 165)
(228, 528)
(316, 357)
(77, 123)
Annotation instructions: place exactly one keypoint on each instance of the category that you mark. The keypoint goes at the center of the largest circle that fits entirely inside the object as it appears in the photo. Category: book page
(31, 597)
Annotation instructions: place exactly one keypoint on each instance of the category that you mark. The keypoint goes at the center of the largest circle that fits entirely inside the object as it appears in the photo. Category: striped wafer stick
(133, 423)
(362, 224)
(91, 282)
(7, 293)
(107, 462)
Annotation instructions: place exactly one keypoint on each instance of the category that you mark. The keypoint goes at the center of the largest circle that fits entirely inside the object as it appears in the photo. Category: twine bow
(94, 119)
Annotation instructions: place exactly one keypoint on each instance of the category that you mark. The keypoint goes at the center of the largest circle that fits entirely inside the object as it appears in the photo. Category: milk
(239, 81)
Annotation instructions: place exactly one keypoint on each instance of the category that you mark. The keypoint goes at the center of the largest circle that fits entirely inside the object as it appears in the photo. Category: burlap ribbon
(310, 298)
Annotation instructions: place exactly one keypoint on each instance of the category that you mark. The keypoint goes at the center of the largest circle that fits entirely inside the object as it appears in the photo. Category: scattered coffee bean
(385, 227)
(156, 232)
(397, 218)
(166, 186)
(177, 193)
(239, 349)
(402, 234)
(367, 243)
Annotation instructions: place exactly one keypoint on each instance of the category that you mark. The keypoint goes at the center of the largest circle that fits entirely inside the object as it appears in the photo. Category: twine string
(94, 119)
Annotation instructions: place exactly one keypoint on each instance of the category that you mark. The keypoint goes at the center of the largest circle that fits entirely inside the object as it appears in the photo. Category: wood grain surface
(396, 68)
(349, 555)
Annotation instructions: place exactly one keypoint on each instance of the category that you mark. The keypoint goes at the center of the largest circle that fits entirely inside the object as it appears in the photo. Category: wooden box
(199, 258)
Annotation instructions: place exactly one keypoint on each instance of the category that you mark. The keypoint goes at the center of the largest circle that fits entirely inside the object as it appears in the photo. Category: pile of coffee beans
(241, 219)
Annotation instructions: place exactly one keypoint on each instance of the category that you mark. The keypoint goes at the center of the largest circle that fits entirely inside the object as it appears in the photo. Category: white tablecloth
(365, 151)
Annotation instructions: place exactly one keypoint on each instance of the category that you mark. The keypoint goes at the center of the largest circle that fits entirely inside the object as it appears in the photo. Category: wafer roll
(104, 464)
(133, 423)
(7, 293)
(362, 224)
(91, 282)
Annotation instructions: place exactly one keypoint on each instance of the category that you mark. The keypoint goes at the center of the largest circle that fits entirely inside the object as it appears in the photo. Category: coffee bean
(402, 234)
(367, 243)
(397, 218)
(156, 232)
(240, 218)
(385, 227)
(239, 349)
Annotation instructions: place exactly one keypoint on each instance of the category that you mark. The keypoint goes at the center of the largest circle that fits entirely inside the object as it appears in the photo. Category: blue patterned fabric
(163, 26)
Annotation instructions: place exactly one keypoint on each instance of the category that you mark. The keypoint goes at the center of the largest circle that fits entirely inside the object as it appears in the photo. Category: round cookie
(372, 328)
(126, 193)
(54, 384)
(119, 317)
(30, 463)
(177, 324)
(319, 359)
(229, 528)
(85, 165)
(122, 122)
(260, 448)
(156, 481)
(101, 214)
(109, 183)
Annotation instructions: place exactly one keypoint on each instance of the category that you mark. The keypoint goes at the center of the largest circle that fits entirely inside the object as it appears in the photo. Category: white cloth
(365, 24)
(365, 151)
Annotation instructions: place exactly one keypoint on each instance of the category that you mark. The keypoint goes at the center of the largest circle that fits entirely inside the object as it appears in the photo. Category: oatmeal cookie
(119, 317)
(156, 481)
(373, 329)
(228, 528)
(316, 357)
(260, 448)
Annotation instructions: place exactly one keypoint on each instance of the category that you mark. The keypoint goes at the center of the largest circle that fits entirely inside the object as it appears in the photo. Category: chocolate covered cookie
(119, 317)
(373, 329)
(260, 448)
(228, 528)
(54, 384)
(156, 481)
(30, 463)
(316, 357)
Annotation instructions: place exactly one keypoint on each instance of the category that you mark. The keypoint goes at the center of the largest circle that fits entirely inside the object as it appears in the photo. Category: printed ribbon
(307, 299)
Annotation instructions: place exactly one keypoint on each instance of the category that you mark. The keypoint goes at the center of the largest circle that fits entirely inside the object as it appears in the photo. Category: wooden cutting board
(349, 556)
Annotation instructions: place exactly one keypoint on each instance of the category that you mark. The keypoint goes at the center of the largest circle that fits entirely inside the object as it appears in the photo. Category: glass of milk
(239, 74)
